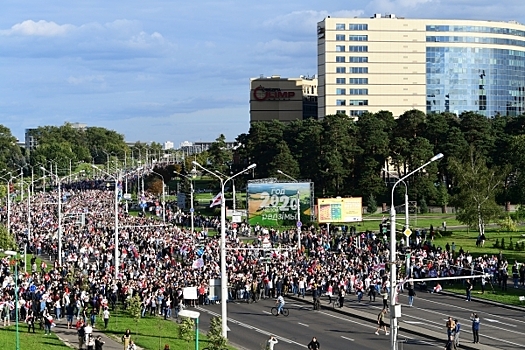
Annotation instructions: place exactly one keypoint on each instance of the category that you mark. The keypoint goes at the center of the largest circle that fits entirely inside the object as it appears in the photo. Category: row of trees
(482, 168)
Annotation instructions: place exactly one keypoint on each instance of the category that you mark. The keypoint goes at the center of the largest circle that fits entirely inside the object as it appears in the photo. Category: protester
(475, 327)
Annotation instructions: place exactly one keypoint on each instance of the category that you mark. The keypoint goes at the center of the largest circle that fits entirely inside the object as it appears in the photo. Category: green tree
(215, 338)
(219, 156)
(284, 161)
(134, 308)
(7, 241)
(186, 329)
(371, 204)
(338, 154)
(477, 187)
(442, 197)
(10, 154)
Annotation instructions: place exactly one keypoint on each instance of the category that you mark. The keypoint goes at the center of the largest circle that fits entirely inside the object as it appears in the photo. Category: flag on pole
(198, 263)
(217, 200)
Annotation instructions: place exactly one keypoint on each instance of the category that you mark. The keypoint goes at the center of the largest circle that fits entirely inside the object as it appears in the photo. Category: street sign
(299, 224)
(407, 232)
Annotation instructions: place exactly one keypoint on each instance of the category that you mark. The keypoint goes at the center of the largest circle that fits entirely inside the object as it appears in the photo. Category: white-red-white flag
(217, 200)
(198, 263)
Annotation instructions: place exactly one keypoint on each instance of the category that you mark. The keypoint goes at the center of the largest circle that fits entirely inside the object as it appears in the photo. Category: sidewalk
(70, 338)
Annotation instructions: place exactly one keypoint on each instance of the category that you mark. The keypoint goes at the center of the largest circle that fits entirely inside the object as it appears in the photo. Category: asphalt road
(251, 324)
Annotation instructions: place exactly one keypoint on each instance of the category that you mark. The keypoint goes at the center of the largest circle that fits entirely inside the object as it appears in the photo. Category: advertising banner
(275, 203)
(334, 210)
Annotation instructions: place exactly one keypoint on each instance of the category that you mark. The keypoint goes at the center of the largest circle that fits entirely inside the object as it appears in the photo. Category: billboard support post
(298, 221)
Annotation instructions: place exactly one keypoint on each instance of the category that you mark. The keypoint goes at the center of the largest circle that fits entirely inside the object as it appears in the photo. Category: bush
(371, 204)
(502, 246)
(522, 247)
(508, 224)
(423, 207)
(511, 246)
(496, 245)
(517, 247)
(215, 338)
(186, 329)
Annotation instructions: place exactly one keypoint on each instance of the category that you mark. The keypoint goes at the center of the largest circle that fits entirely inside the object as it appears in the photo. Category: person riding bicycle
(314, 344)
(280, 304)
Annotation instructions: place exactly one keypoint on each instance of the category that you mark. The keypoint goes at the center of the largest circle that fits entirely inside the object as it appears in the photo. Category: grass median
(29, 340)
(150, 332)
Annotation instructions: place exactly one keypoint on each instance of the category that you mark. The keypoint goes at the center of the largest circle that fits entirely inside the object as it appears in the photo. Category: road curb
(402, 327)
(484, 301)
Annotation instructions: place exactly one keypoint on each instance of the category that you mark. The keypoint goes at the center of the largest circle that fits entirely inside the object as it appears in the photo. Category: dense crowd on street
(158, 260)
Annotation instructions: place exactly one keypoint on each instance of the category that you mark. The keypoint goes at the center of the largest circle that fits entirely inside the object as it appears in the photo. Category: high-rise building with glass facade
(397, 64)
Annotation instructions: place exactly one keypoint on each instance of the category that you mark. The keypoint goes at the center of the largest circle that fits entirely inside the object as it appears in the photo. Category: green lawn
(150, 333)
(510, 297)
(467, 241)
(29, 340)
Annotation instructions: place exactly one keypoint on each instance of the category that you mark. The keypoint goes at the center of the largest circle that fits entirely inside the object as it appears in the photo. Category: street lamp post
(224, 275)
(115, 178)
(393, 254)
(298, 210)
(407, 222)
(192, 209)
(8, 201)
(14, 254)
(59, 185)
(163, 197)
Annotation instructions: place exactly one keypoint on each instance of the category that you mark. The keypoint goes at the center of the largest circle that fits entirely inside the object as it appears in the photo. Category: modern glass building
(397, 64)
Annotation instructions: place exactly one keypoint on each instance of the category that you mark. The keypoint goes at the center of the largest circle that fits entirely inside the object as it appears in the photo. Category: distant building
(189, 148)
(168, 145)
(30, 141)
(433, 65)
(283, 99)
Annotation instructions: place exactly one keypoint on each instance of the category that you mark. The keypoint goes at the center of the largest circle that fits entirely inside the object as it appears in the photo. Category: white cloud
(85, 79)
(303, 21)
(40, 28)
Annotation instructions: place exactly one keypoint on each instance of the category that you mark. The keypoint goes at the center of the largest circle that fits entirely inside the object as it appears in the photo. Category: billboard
(275, 203)
(333, 210)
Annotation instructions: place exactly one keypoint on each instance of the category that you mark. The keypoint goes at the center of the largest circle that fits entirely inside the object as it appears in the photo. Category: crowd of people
(158, 261)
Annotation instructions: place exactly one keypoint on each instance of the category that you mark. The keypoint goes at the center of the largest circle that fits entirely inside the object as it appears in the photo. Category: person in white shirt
(105, 316)
(271, 342)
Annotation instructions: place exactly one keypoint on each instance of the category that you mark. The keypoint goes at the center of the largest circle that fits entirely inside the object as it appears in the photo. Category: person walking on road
(381, 322)
(468, 287)
(457, 332)
(451, 326)
(475, 327)
(105, 315)
(411, 295)
(314, 344)
(271, 342)
(385, 298)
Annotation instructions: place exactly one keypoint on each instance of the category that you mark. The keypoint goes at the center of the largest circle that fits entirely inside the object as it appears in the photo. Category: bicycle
(284, 311)
(336, 303)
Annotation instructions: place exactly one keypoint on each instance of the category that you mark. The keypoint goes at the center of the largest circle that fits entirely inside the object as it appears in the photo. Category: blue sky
(171, 70)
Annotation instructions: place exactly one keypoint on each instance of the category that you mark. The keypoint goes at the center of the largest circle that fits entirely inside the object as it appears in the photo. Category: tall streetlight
(8, 200)
(163, 197)
(14, 254)
(192, 209)
(298, 210)
(224, 274)
(406, 201)
(59, 185)
(393, 254)
(115, 178)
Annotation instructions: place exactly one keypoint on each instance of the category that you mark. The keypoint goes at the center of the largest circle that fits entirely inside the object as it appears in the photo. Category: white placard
(189, 293)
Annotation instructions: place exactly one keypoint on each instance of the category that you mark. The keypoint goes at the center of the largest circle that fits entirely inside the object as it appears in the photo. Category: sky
(172, 70)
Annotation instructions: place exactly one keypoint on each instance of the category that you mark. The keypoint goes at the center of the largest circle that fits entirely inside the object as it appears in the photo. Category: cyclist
(280, 304)
(314, 344)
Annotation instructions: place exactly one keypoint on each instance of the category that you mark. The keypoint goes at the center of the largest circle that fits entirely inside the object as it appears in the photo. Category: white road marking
(347, 338)
(413, 322)
(302, 324)
(244, 325)
(267, 312)
(496, 321)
